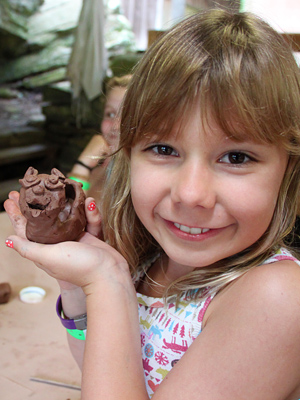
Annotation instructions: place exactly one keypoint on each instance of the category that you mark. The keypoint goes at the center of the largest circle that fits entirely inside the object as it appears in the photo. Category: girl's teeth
(193, 231)
(196, 231)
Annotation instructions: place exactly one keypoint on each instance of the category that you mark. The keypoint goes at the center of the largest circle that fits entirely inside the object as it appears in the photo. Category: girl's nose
(193, 185)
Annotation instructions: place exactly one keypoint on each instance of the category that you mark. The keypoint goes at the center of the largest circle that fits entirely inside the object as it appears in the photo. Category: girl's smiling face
(203, 196)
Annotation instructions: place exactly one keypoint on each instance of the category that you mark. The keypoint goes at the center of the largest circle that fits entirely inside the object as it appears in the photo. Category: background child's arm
(92, 154)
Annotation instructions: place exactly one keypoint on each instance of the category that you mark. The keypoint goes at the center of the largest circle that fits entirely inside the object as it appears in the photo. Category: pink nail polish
(9, 243)
(92, 206)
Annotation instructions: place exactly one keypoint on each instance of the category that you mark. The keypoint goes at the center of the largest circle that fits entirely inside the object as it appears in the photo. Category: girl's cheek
(106, 127)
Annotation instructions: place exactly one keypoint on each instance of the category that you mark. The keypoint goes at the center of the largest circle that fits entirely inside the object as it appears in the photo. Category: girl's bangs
(246, 109)
(233, 78)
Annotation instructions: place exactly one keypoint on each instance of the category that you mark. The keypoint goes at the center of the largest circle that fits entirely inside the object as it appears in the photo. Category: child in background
(89, 168)
(192, 295)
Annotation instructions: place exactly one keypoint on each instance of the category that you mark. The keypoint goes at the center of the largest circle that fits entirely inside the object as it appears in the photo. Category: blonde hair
(117, 81)
(241, 72)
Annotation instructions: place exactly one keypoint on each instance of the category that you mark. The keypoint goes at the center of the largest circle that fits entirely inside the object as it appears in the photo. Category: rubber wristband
(84, 165)
(78, 323)
(76, 333)
(85, 185)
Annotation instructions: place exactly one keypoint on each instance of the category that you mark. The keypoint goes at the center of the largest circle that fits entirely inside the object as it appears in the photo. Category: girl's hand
(17, 219)
(18, 222)
(82, 263)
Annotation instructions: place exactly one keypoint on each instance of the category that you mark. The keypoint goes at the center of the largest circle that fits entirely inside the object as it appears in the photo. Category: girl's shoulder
(272, 285)
(250, 325)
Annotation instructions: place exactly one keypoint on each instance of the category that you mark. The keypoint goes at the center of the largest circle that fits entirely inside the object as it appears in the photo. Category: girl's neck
(152, 284)
(158, 277)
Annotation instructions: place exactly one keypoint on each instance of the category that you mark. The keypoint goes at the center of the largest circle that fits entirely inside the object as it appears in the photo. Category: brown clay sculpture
(53, 206)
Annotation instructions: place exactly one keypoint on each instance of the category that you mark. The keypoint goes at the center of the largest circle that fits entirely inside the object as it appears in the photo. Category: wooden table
(33, 343)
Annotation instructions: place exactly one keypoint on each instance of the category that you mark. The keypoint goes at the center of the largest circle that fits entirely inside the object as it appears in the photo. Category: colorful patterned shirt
(167, 331)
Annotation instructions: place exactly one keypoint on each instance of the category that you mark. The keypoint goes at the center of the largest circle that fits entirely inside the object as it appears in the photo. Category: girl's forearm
(77, 349)
(113, 366)
(74, 304)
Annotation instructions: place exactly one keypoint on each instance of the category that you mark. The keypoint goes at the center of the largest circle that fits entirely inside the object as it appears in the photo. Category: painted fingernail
(9, 243)
(92, 206)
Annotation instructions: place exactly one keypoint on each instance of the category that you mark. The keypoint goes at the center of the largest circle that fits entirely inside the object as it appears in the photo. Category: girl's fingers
(63, 261)
(75, 262)
(11, 206)
(14, 195)
(93, 218)
(42, 255)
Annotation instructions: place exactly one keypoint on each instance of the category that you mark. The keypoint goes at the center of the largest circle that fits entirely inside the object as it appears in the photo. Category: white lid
(32, 294)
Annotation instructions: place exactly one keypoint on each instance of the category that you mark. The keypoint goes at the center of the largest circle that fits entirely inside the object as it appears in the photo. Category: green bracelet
(85, 185)
(78, 334)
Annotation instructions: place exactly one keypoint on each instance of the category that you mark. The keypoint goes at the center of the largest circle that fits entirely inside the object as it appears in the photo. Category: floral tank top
(167, 331)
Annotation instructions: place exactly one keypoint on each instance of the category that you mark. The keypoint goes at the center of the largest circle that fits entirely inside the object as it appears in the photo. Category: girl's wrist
(64, 285)
(85, 165)
(73, 302)
(118, 282)
(80, 172)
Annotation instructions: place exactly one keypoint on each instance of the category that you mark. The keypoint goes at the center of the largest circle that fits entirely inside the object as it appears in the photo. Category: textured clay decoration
(53, 206)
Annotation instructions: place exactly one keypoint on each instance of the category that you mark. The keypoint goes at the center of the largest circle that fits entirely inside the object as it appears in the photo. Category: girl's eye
(109, 115)
(163, 150)
(235, 158)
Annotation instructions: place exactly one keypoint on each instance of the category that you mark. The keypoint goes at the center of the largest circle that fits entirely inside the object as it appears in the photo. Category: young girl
(192, 295)
(87, 169)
